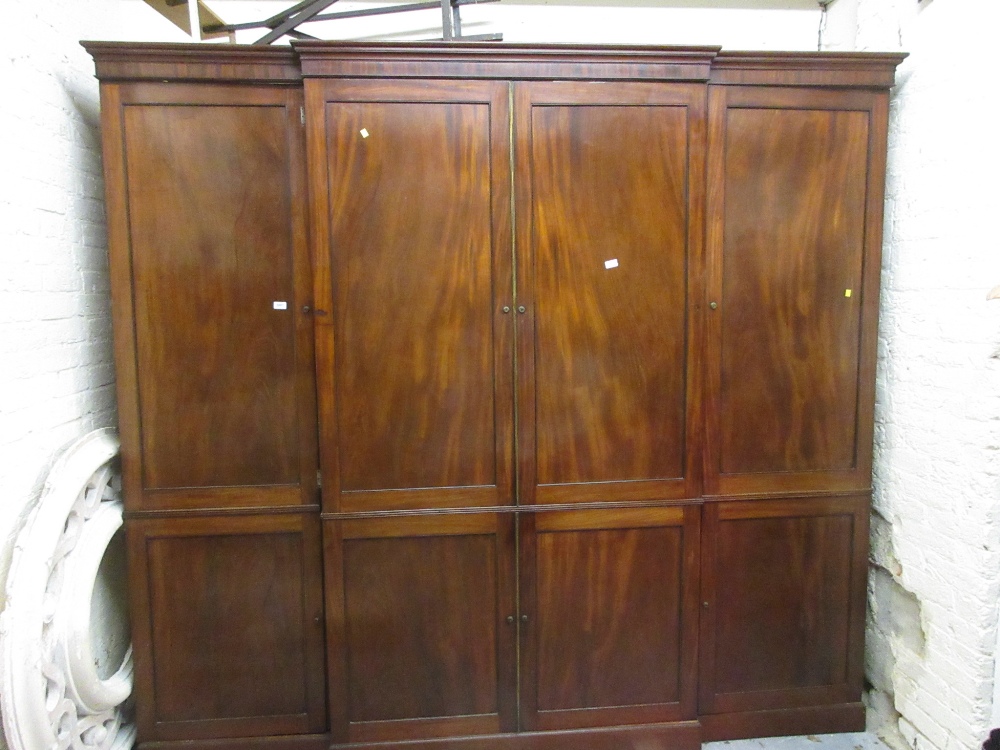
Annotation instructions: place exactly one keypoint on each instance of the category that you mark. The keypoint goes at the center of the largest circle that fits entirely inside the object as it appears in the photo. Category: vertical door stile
(514, 688)
(521, 208)
(524, 300)
(715, 197)
(323, 302)
(303, 303)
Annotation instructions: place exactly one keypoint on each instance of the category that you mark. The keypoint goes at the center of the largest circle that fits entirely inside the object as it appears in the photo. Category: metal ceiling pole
(446, 27)
(312, 9)
(306, 11)
(194, 18)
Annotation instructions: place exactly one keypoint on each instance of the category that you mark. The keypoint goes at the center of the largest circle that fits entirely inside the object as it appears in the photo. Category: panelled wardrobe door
(783, 582)
(211, 271)
(413, 267)
(609, 205)
(794, 242)
(608, 180)
(421, 616)
(229, 610)
(411, 181)
(216, 392)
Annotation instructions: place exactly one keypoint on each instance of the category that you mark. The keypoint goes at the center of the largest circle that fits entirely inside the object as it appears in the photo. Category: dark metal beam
(431, 4)
(238, 26)
(380, 11)
(296, 34)
(268, 23)
(292, 14)
(476, 38)
(312, 8)
(282, 15)
(385, 10)
(446, 19)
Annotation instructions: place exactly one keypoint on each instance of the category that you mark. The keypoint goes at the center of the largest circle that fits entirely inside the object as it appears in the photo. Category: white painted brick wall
(938, 413)
(55, 351)
(56, 372)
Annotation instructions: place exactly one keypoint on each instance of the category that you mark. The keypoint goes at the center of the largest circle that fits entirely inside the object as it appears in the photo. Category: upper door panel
(414, 269)
(793, 259)
(218, 356)
(608, 243)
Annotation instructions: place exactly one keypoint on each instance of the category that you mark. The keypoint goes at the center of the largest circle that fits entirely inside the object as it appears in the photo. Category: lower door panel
(227, 626)
(784, 596)
(608, 616)
(420, 642)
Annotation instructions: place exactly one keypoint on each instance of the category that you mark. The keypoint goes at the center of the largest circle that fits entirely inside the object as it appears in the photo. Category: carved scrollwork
(53, 696)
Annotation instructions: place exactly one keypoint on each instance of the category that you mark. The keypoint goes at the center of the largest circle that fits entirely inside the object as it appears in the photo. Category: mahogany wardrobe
(492, 396)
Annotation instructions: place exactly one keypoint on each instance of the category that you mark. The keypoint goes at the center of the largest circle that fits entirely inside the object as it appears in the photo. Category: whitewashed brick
(924, 733)
(55, 359)
(937, 398)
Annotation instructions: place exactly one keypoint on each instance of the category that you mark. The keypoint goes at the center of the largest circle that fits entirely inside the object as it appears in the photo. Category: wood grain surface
(781, 607)
(420, 633)
(210, 229)
(421, 627)
(610, 343)
(795, 182)
(229, 639)
(410, 216)
(783, 582)
(608, 617)
(604, 637)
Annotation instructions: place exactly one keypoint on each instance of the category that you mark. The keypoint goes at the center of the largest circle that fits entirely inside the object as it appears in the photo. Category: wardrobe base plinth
(842, 717)
(296, 742)
(685, 735)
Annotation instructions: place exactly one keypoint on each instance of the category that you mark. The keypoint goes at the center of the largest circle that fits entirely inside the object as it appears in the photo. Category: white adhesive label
(280, 305)
(613, 263)
(364, 132)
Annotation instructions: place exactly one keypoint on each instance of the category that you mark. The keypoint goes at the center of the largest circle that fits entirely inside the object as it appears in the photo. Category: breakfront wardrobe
(493, 396)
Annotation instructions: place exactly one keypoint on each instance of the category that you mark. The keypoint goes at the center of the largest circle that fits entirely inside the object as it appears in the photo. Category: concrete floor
(855, 741)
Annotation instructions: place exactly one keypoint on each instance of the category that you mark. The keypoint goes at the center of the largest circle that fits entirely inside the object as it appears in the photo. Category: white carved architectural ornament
(51, 693)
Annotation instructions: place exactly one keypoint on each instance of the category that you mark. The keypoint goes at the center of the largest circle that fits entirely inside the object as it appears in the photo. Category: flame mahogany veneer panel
(413, 296)
(795, 186)
(420, 636)
(610, 342)
(227, 627)
(210, 221)
(608, 617)
(783, 581)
